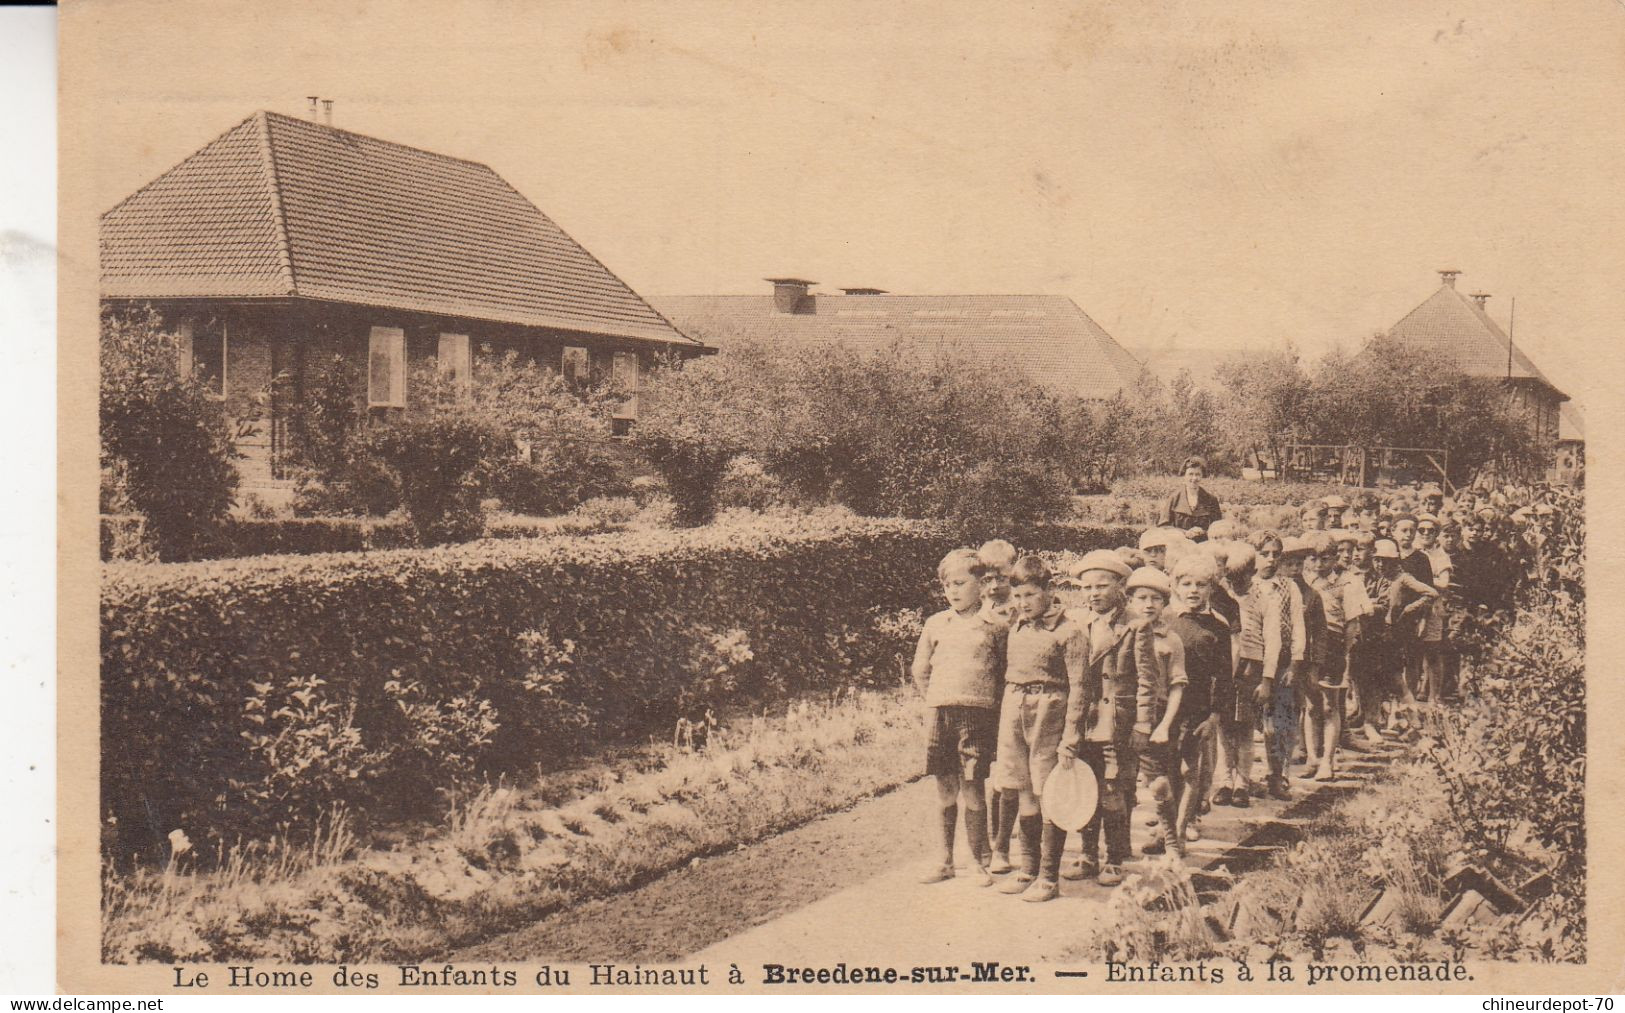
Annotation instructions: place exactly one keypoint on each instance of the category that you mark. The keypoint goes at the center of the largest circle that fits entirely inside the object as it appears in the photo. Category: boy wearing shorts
(957, 667)
(1047, 661)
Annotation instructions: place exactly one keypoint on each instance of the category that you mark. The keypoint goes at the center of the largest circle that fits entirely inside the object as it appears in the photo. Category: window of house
(456, 362)
(203, 353)
(577, 367)
(386, 367)
(625, 370)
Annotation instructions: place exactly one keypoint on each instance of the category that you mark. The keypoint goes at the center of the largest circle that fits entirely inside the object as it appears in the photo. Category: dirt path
(844, 885)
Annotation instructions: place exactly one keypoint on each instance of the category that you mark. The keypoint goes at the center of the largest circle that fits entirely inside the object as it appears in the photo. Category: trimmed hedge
(279, 536)
(240, 694)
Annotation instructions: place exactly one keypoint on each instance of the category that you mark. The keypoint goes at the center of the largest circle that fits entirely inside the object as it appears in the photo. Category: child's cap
(1313, 508)
(1365, 539)
(1151, 577)
(1335, 502)
(1292, 545)
(1201, 565)
(1160, 538)
(1423, 520)
(1341, 536)
(1545, 509)
(1221, 530)
(1385, 549)
(1432, 489)
(1132, 556)
(1101, 559)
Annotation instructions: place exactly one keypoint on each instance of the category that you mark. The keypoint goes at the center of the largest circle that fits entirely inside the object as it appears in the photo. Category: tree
(166, 433)
(1267, 399)
(694, 421)
(1392, 395)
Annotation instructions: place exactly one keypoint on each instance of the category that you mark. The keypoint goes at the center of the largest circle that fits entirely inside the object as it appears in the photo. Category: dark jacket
(1177, 513)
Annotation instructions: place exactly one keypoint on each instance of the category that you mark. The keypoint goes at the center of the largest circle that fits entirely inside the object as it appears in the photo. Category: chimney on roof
(790, 295)
(1480, 298)
(327, 111)
(312, 99)
(864, 291)
(1449, 277)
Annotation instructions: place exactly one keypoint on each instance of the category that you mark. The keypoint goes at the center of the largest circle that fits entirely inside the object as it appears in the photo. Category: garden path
(843, 887)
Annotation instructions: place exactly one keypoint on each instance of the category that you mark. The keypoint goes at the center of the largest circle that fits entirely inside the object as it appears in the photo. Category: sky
(1203, 174)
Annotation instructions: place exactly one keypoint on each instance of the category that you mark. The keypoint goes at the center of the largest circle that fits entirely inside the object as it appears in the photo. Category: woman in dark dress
(1192, 508)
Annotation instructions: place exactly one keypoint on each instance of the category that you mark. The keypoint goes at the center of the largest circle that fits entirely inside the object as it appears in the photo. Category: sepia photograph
(1074, 497)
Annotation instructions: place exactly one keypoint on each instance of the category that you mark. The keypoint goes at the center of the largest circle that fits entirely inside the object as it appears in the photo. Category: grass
(509, 855)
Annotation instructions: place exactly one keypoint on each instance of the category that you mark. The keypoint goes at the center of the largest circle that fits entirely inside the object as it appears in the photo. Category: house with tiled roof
(1458, 329)
(1048, 336)
(285, 241)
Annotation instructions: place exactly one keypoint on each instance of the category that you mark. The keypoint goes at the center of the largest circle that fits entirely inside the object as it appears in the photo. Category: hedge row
(279, 536)
(122, 535)
(239, 694)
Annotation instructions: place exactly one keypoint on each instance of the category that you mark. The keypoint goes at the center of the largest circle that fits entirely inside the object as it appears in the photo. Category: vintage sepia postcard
(1072, 497)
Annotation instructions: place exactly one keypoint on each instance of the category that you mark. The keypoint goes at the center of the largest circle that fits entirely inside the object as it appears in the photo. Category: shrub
(488, 622)
(336, 472)
(1513, 760)
(905, 431)
(441, 458)
(693, 426)
(746, 484)
(566, 430)
(165, 435)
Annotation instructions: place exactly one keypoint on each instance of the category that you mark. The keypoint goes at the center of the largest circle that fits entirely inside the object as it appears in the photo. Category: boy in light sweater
(957, 667)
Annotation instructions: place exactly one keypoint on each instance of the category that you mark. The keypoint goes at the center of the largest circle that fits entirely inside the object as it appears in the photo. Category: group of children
(1161, 661)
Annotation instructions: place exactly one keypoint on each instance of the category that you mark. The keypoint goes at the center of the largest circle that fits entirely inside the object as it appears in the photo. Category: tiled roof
(279, 206)
(1048, 336)
(1453, 327)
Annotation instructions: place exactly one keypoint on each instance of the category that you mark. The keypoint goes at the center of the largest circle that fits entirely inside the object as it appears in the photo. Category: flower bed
(509, 856)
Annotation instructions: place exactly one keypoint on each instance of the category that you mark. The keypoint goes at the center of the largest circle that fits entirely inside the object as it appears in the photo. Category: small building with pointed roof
(1458, 329)
(1047, 336)
(284, 242)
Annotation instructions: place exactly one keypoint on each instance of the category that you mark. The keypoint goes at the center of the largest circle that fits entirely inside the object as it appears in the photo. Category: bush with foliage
(441, 458)
(903, 431)
(164, 435)
(565, 427)
(1384, 395)
(434, 655)
(336, 472)
(1513, 757)
(696, 420)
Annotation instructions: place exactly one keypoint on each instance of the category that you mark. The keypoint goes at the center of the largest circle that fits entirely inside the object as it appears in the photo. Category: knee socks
(1006, 823)
(950, 817)
(1054, 841)
(976, 836)
(1030, 846)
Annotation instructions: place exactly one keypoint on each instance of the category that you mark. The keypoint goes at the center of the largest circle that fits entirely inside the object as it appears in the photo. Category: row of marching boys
(1160, 661)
